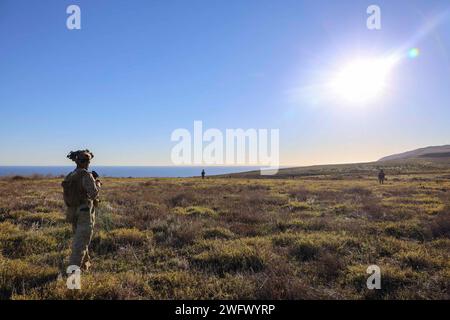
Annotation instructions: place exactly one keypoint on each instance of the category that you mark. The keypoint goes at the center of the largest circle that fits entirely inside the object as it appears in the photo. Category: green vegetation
(226, 238)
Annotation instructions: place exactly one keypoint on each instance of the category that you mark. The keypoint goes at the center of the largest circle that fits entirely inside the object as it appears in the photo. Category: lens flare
(413, 53)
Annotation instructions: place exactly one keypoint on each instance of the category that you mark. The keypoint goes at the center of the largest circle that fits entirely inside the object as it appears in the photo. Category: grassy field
(297, 238)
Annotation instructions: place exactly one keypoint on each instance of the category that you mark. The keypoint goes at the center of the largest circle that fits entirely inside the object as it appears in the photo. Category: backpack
(72, 190)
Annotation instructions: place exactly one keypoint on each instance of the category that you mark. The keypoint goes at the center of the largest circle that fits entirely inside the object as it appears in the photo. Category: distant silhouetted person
(203, 174)
(381, 176)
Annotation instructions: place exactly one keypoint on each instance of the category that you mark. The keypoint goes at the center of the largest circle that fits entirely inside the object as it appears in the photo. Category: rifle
(95, 175)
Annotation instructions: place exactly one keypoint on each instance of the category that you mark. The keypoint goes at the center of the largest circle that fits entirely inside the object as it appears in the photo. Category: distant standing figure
(381, 176)
(203, 174)
(81, 189)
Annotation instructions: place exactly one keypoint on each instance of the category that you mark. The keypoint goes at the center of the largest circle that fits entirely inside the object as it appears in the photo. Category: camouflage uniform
(82, 218)
(381, 177)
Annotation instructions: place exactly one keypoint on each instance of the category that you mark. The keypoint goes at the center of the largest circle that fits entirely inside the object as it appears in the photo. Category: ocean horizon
(127, 171)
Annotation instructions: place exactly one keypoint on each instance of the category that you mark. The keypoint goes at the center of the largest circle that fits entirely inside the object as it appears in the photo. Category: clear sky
(137, 70)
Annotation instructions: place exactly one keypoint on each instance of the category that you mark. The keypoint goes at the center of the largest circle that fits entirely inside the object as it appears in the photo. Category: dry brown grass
(233, 238)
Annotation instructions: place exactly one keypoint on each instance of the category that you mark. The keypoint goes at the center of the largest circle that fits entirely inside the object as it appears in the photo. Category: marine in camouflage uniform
(381, 176)
(82, 215)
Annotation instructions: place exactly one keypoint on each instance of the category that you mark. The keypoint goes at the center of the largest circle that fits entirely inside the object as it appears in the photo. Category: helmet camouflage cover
(80, 155)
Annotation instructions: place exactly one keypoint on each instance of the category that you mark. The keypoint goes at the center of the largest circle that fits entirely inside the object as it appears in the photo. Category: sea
(126, 172)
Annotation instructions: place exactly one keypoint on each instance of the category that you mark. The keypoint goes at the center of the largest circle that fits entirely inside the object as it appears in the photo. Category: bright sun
(362, 80)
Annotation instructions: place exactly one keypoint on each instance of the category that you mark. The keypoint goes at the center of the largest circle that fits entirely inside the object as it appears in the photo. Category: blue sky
(137, 70)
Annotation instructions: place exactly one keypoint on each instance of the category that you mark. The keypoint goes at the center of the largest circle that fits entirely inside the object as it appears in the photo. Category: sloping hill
(424, 160)
(351, 170)
(428, 152)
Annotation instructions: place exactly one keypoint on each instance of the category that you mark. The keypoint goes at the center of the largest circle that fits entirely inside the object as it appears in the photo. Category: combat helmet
(80, 155)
